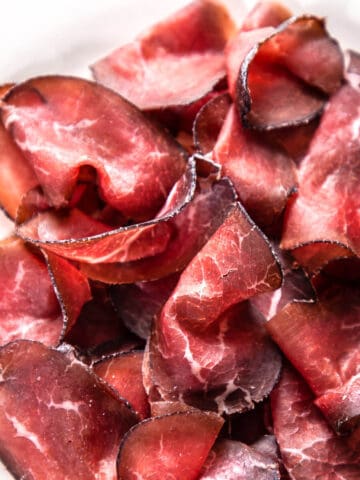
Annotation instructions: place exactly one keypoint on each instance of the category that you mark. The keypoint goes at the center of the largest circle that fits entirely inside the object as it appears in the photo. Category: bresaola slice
(230, 459)
(265, 14)
(170, 446)
(308, 446)
(284, 80)
(322, 223)
(57, 418)
(191, 40)
(63, 123)
(77, 236)
(263, 176)
(206, 346)
(28, 304)
(322, 340)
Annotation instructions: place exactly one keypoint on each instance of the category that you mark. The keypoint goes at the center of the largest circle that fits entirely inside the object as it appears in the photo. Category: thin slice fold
(64, 123)
(77, 236)
(191, 229)
(308, 446)
(205, 345)
(265, 13)
(56, 412)
(285, 79)
(323, 221)
(263, 175)
(230, 459)
(190, 40)
(322, 340)
(170, 446)
(29, 308)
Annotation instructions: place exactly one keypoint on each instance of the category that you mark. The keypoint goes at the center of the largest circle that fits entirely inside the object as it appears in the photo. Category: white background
(64, 37)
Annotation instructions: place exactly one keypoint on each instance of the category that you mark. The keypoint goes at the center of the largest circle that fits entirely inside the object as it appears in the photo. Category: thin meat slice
(191, 229)
(124, 373)
(77, 236)
(285, 79)
(170, 446)
(138, 303)
(353, 68)
(57, 417)
(323, 221)
(208, 122)
(71, 287)
(263, 176)
(308, 446)
(230, 459)
(265, 14)
(63, 123)
(322, 340)
(194, 353)
(186, 48)
(28, 305)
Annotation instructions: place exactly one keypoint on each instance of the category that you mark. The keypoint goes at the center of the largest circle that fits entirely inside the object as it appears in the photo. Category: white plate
(42, 37)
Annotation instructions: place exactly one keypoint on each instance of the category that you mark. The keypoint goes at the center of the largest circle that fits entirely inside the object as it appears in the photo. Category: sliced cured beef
(77, 236)
(285, 79)
(230, 459)
(295, 286)
(71, 288)
(205, 346)
(323, 223)
(63, 123)
(265, 14)
(174, 445)
(309, 447)
(124, 373)
(190, 231)
(28, 304)
(208, 122)
(322, 340)
(353, 68)
(263, 176)
(57, 417)
(190, 40)
(138, 303)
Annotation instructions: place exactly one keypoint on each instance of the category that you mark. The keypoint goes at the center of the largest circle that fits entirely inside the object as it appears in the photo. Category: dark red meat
(63, 123)
(28, 304)
(172, 446)
(322, 340)
(190, 40)
(323, 221)
(57, 418)
(309, 447)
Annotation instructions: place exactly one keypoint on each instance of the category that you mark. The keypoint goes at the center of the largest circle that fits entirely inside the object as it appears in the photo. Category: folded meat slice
(263, 175)
(322, 340)
(190, 231)
(230, 459)
(308, 446)
(285, 79)
(170, 446)
(323, 221)
(28, 304)
(265, 13)
(175, 62)
(207, 349)
(64, 123)
(57, 418)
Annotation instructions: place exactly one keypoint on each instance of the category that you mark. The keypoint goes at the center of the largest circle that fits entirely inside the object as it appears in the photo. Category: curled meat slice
(265, 14)
(186, 48)
(64, 123)
(322, 340)
(308, 446)
(323, 221)
(57, 416)
(285, 79)
(206, 347)
(170, 446)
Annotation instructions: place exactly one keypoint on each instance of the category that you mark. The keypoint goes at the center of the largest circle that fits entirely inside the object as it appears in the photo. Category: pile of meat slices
(180, 288)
